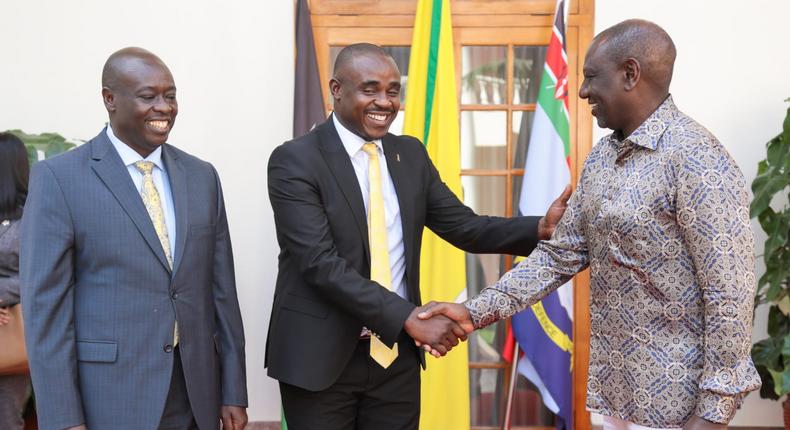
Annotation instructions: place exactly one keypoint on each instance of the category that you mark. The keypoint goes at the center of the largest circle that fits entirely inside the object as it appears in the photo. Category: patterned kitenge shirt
(662, 220)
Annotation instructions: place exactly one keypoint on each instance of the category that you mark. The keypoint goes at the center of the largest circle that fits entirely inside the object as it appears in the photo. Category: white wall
(731, 75)
(233, 65)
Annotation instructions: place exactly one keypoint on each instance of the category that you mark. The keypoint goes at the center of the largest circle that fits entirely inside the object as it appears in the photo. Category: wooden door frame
(390, 22)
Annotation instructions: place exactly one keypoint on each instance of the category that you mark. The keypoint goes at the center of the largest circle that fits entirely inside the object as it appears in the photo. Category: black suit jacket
(323, 295)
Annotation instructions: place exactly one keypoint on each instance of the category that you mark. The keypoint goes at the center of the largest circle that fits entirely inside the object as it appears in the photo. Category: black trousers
(178, 413)
(365, 397)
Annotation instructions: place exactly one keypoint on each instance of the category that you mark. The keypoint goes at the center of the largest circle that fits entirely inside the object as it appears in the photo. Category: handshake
(437, 326)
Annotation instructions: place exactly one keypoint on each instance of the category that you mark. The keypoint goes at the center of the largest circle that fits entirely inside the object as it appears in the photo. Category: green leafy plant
(49, 143)
(772, 355)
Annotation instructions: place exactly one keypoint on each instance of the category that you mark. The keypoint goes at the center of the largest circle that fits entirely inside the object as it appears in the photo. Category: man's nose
(163, 105)
(583, 93)
(382, 100)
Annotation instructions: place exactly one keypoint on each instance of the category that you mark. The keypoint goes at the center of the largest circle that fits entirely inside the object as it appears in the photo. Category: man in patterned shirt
(661, 218)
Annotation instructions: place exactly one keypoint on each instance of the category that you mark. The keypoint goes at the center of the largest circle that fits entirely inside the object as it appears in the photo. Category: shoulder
(69, 160)
(409, 146)
(301, 145)
(301, 151)
(189, 161)
(689, 142)
(409, 142)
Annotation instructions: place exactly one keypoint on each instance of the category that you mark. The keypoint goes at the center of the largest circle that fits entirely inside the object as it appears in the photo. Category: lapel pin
(397, 157)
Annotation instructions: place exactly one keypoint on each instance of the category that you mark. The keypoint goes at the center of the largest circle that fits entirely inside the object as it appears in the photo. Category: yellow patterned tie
(379, 249)
(153, 204)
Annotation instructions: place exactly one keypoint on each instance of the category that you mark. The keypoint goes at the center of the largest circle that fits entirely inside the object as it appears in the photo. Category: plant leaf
(786, 127)
(778, 323)
(784, 305)
(764, 187)
(767, 390)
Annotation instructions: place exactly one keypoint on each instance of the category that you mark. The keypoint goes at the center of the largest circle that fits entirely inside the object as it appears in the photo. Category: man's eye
(147, 97)
(171, 97)
(368, 92)
(394, 93)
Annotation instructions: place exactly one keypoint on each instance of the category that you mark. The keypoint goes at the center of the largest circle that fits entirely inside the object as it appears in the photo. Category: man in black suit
(326, 306)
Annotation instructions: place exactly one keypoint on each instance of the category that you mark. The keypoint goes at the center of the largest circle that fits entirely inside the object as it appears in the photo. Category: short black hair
(349, 52)
(644, 41)
(14, 172)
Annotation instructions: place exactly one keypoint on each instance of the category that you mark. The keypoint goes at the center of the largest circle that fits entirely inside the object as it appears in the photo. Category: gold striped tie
(153, 204)
(379, 249)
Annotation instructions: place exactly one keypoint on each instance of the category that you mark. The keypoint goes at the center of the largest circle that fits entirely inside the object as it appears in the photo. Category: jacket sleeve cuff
(716, 407)
(394, 325)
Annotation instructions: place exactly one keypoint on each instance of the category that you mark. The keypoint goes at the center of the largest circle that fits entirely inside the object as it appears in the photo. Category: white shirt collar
(129, 156)
(351, 141)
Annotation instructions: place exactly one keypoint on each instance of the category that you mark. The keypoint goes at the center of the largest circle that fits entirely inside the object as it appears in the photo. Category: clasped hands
(438, 327)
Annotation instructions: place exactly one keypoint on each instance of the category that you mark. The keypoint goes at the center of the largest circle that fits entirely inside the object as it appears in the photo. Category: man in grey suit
(131, 314)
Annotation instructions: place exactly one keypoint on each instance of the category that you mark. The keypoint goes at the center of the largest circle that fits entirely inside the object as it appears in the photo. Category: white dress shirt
(129, 157)
(359, 159)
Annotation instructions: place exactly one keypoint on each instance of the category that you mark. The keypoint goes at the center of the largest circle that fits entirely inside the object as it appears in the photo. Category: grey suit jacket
(100, 300)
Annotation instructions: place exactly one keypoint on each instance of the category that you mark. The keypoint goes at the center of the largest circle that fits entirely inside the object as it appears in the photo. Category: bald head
(346, 56)
(126, 61)
(645, 42)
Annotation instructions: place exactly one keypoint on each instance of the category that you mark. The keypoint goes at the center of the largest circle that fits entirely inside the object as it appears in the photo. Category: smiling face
(603, 88)
(366, 92)
(142, 103)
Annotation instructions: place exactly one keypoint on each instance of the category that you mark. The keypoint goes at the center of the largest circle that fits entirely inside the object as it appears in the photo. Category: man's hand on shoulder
(233, 417)
(549, 222)
(697, 423)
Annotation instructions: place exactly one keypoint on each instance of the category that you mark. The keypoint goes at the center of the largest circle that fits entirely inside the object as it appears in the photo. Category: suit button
(168, 348)
(174, 295)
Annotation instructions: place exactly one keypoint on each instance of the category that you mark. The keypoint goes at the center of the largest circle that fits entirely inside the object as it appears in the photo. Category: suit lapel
(178, 186)
(108, 166)
(340, 164)
(404, 189)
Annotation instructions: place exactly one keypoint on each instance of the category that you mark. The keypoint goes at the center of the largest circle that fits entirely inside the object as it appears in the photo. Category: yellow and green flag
(431, 114)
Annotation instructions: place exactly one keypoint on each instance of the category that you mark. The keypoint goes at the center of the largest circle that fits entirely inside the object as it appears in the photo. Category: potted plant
(772, 355)
(49, 144)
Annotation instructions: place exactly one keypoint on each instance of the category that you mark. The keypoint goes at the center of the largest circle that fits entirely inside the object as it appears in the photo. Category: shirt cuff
(716, 407)
(486, 307)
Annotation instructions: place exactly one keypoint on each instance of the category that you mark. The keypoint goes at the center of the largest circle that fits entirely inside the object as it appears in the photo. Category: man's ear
(109, 99)
(632, 73)
(335, 88)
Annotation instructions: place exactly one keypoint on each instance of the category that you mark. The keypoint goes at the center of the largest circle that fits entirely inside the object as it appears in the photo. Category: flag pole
(511, 390)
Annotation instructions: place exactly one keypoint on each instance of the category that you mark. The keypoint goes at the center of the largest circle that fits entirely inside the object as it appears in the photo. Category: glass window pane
(528, 64)
(399, 53)
(482, 270)
(521, 128)
(528, 408)
(486, 345)
(483, 77)
(483, 139)
(517, 183)
(488, 397)
(485, 194)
